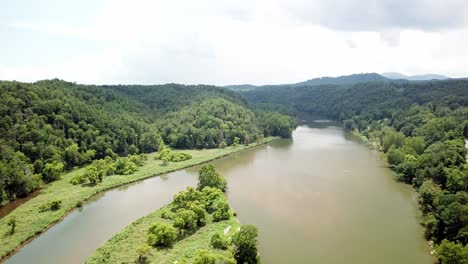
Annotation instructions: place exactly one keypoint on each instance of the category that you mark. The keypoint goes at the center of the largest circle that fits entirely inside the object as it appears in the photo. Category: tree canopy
(51, 126)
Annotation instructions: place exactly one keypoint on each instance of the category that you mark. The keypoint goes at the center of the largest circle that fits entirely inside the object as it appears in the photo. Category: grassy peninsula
(31, 218)
(197, 227)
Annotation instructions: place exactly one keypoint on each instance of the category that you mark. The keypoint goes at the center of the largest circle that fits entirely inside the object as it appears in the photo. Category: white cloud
(259, 42)
(372, 15)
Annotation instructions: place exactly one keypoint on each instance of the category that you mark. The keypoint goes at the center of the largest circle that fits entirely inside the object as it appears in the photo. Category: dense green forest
(171, 97)
(420, 126)
(51, 126)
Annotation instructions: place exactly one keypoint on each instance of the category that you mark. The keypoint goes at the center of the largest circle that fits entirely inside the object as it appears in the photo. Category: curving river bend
(322, 197)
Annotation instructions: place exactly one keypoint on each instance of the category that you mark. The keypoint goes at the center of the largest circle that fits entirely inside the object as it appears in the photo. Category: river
(321, 197)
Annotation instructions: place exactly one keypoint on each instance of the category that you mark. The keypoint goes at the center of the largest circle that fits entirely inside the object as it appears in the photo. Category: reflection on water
(326, 199)
(75, 238)
(283, 144)
(315, 121)
(319, 198)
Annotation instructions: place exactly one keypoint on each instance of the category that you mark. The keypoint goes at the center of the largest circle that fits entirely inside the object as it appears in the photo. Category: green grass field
(122, 248)
(30, 221)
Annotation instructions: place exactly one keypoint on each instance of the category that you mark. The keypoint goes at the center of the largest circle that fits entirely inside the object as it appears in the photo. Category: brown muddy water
(322, 197)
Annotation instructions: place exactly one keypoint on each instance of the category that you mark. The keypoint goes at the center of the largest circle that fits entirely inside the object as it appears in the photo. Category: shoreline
(182, 247)
(10, 253)
(420, 216)
(126, 235)
(5, 210)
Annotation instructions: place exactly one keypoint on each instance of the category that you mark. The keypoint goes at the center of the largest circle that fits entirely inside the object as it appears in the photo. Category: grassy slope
(31, 222)
(122, 248)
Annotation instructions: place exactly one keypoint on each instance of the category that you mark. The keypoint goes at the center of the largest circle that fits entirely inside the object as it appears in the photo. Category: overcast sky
(229, 42)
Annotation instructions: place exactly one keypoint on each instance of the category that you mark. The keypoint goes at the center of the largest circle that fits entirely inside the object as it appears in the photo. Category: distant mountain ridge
(343, 80)
(241, 87)
(348, 80)
(340, 80)
(421, 77)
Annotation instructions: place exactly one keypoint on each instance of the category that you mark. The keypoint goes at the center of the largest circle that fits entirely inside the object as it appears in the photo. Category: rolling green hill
(51, 126)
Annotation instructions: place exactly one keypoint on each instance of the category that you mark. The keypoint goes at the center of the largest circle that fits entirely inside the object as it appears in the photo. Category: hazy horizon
(241, 84)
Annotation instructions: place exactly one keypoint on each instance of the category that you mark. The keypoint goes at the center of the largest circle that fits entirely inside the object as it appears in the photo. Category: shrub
(92, 174)
(245, 245)
(204, 256)
(395, 156)
(166, 214)
(211, 196)
(219, 241)
(52, 171)
(132, 149)
(139, 160)
(55, 205)
(12, 224)
(236, 141)
(161, 234)
(431, 226)
(105, 167)
(143, 253)
(165, 160)
(185, 219)
(200, 212)
(166, 155)
(452, 253)
(78, 179)
(124, 166)
(222, 144)
(87, 156)
(38, 166)
(221, 211)
(184, 198)
(209, 177)
(181, 156)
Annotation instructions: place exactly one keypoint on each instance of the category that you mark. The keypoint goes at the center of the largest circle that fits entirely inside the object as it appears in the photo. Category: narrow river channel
(321, 197)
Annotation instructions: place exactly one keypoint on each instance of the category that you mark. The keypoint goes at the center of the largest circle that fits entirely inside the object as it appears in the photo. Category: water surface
(5, 210)
(320, 198)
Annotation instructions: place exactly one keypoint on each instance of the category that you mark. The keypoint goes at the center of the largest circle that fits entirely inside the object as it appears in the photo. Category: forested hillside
(51, 126)
(334, 100)
(171, 97)
(208, 124)
(421, 127)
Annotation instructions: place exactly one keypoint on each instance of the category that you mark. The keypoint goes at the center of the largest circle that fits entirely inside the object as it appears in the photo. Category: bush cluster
(190, 210)
(108, 166)
(166, 155)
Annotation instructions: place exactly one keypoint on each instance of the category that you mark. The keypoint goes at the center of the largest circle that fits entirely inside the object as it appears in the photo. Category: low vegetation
(61, 196)
(197, 227)
(209, 177)
(167, 155)
(114, 165)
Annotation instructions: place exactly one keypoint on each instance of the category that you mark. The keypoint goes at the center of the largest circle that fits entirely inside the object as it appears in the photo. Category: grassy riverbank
(31, 220)
(122, 248)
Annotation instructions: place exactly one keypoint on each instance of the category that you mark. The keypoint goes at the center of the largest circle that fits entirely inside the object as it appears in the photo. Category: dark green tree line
(49, 127)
